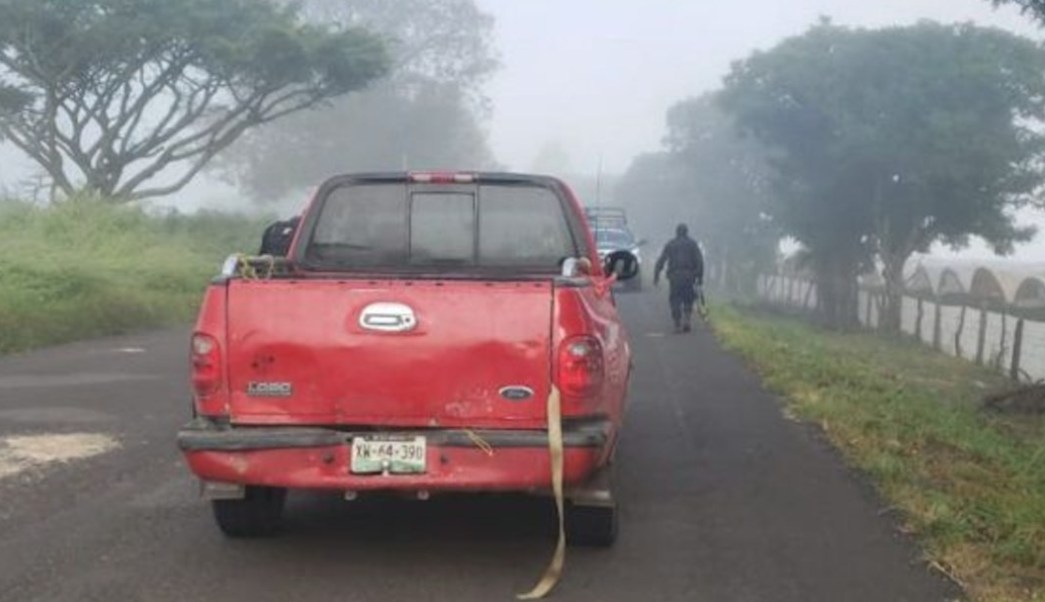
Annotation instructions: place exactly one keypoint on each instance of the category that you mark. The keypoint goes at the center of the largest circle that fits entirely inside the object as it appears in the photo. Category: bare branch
(25, 141)
(113, 116)
(219, 135)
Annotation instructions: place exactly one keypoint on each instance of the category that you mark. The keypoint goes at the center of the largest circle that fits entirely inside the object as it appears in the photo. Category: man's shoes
(687, 327)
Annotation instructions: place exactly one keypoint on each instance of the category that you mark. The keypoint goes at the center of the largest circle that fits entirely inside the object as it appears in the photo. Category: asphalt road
(723, 500)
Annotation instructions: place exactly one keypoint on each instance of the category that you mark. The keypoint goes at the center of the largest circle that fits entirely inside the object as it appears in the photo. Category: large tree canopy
(426, 114)
(447, 41)
(108, 95)
(1035, 8)
(890, 140)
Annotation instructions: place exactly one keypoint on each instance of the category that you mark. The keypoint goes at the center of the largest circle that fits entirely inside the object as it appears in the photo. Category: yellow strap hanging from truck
(555, 447)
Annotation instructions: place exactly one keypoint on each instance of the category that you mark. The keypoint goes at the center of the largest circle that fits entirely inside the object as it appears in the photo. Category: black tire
(591, 526)
(258, 514)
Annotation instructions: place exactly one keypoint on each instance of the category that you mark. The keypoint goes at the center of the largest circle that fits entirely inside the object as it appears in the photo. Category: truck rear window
(400, 226)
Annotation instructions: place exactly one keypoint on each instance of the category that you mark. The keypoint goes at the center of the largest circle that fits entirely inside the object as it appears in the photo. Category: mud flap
(552, 574)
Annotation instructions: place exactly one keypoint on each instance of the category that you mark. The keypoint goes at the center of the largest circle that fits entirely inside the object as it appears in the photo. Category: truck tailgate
(410, 353)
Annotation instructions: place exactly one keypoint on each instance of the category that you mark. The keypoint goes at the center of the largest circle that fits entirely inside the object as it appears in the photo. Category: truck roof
(448, 176)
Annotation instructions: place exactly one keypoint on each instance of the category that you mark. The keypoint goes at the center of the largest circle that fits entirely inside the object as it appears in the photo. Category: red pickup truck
(409, 342)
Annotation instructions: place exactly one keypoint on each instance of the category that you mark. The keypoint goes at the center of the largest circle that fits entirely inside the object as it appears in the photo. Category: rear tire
(258, 514)
(591, 526)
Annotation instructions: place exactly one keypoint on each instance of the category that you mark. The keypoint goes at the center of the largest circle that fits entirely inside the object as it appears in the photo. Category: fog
(595, 77)
(589, 81)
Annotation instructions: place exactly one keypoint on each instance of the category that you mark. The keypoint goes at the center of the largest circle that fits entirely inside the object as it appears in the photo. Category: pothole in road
(19, 453)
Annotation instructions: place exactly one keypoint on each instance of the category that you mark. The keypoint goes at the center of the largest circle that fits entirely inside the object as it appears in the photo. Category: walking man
(685, 265)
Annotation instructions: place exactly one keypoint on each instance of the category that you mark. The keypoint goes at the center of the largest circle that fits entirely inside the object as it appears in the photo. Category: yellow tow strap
(479, 442)
(554, 571)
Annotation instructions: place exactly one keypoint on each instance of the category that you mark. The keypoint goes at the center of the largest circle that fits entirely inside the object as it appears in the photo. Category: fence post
(981, 337)
(918, 320)
(1017, 349)
(958, 333)
(998, 362)
(790, 291)
(867, 308)
(938, 327)
(808, 297)
(876, 303)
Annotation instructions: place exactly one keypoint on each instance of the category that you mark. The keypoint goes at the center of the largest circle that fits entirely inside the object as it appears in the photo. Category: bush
(87, 268)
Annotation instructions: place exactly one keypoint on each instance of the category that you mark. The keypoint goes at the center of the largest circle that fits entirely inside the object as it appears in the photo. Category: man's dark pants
(681, 297)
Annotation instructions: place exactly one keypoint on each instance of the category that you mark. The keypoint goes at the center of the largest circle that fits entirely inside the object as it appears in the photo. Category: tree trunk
(890, 317)
(1017, 352)
(958, 334)
(837, 300)
(919, 318)
(938, 327)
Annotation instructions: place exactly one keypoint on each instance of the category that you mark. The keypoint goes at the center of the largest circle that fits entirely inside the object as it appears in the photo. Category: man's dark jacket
(684, 261)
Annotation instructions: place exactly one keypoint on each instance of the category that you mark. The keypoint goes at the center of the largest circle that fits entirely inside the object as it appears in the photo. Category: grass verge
(87, 268)
(970, 485)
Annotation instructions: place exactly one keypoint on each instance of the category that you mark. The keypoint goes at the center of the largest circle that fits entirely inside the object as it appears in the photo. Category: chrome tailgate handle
(387, 317)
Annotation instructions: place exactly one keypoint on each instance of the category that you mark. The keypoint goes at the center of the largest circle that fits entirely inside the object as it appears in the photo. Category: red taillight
(206, 365)
(442, 178)
(580, 367)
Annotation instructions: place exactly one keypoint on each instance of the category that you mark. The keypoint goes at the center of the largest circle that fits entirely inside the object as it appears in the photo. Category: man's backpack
(278, 236)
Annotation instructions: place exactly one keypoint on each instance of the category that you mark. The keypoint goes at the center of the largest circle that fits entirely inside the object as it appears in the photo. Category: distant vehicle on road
(426, 333)
(606, 217)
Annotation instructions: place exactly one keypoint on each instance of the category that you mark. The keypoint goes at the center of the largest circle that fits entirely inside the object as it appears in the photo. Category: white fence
(1011, 344)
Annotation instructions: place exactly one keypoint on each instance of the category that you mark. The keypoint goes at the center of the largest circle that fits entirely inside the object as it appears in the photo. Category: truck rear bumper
(456, 460)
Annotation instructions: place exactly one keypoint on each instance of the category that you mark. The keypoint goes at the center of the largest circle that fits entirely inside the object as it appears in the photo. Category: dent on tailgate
(479, 355)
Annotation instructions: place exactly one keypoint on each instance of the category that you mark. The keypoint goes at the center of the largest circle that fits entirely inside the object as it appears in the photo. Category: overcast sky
(596, 76)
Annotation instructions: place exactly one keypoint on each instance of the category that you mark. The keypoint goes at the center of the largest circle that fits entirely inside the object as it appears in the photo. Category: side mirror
(642, 242)
(572, 267)
(622, 263)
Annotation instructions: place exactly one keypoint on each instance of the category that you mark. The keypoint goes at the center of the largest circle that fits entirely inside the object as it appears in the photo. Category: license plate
(374, 454)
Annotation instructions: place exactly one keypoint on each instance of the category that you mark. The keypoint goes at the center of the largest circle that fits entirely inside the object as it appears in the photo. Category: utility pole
(598, 183)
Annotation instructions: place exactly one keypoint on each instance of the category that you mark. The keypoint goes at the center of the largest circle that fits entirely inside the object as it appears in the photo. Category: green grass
(86, 268)
(970, 485)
